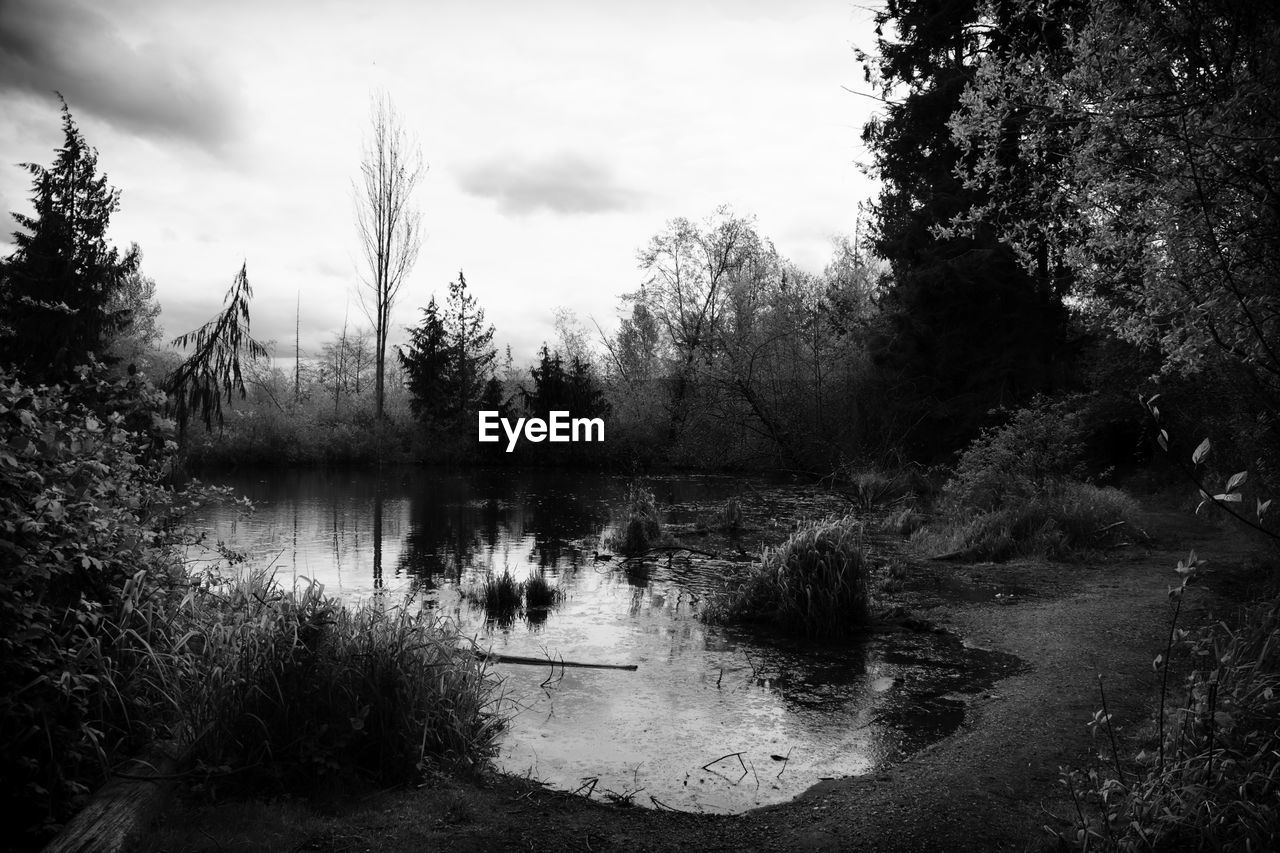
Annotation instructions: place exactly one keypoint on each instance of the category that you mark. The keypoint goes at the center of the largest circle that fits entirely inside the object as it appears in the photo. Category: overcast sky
(560, 136)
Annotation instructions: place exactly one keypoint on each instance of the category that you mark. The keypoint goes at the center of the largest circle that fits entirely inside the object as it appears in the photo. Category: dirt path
(991, 786)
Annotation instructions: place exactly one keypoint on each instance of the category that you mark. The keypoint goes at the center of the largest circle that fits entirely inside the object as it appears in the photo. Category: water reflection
(697, 692)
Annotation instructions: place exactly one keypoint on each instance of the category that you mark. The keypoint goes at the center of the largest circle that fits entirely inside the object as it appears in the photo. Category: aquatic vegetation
(814, 584)
(540, 593)
(731, 515)
(640, 526)
(501, 596)
(292, 689)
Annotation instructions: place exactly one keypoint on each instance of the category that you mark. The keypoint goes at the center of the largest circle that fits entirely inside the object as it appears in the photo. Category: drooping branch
(213, 372)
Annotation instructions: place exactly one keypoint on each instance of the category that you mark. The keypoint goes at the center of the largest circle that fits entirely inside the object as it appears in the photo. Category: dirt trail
(991, 786)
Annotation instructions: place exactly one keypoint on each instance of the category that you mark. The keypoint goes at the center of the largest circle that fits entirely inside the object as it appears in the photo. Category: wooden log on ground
(121, 811)
(526, 661)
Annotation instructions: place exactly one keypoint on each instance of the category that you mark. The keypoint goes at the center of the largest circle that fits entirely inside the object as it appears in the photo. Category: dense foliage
(57, 288)
(85, 564)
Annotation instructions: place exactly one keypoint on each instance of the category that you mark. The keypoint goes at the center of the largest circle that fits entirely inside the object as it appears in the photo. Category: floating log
(525, 661)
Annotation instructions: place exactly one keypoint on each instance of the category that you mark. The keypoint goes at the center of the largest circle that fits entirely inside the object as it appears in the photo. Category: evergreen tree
(964, 326)
(471, 344)
(56, 289)
(426, 362)
(557, 389)
(449, 361)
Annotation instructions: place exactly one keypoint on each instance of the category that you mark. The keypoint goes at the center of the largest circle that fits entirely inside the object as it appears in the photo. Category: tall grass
(291, 689)
(539, 593)
(640, 526)
(1064, 518)
(814, 584)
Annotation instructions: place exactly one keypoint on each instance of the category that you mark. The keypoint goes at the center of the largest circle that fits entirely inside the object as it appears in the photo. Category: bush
(813, 584)
(1014, 494)
(1215, 788)
(291, 690)
(106, 645)
(1063, 518)
(86, 577)
(1039, 444)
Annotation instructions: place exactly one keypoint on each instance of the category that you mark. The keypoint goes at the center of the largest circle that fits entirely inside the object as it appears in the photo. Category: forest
(1067, 288)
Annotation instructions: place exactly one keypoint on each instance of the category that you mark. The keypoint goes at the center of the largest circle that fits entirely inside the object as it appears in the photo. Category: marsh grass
(289, 689)
(501, 596)
(814, 584)
(540, 593)
(870, 489)
(640, 526)
(1065, 518)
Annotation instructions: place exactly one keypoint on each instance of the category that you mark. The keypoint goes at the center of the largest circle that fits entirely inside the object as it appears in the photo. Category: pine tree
(56, 289)
(965, 328)
(426, 363)
(471, 343)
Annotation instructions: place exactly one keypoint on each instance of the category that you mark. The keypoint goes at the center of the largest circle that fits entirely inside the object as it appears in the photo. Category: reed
(540, 593)
(291, 688)
(813, 584)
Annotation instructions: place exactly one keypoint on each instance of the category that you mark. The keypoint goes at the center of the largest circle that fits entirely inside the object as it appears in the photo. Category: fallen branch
(527, 661)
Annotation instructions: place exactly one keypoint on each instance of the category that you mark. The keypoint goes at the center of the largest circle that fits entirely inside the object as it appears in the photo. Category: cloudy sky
(560, 136)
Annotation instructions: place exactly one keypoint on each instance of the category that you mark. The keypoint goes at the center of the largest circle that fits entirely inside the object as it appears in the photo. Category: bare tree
(390, 168)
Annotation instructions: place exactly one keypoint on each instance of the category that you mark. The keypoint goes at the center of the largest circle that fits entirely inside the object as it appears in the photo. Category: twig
(1115, 751)
(785, 759)
(737, 755)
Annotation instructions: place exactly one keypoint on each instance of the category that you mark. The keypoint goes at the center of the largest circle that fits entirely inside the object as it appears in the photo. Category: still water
(711, 719)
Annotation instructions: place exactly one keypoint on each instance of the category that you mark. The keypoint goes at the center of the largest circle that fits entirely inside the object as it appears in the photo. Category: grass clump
(294, 691)
(814, 584)
(539, 593)
(640, 526)
(1064, 518)
(1016, 493)
(501, 596)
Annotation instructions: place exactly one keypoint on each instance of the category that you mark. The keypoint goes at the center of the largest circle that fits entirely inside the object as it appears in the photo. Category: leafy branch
(212, 373)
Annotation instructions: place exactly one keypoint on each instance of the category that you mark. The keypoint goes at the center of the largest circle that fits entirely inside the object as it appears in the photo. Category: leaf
(1201, 452)
(1263, 506)
(1232, 498)
(1236, 480)
(1163, 440)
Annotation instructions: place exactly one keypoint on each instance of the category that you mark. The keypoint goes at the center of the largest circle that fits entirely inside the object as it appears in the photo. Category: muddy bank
(992, 785)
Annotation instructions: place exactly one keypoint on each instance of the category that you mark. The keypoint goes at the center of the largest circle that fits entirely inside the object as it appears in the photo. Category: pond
(711, 718)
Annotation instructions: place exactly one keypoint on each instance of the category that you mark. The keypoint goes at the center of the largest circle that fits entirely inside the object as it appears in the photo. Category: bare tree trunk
(391, 167)
(297, 349)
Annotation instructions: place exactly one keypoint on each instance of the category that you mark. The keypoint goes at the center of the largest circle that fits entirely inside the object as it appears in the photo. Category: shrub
(86, 573)
(291, 689)
(813, 584)
(1039, 444)
(1211, 785)
(1063, 518)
